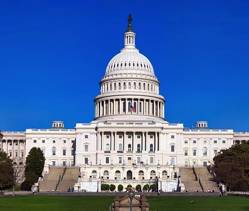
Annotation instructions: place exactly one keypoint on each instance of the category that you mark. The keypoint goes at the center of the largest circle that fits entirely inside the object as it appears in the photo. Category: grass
(100, 203)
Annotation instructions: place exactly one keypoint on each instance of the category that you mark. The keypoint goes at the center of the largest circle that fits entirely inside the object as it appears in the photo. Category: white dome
(129, 61)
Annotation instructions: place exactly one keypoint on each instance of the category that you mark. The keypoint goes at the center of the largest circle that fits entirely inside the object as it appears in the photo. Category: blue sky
(54, 53)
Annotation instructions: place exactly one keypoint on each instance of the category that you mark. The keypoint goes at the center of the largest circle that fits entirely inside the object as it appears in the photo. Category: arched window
(139, 86)
(53, 150)
(151, 88)
(204, 151)
(164, 174)
(106, 174)
(119, 85)
(153, 174)
(148, 87)
(110, 87)
(134, 85)
(124, 85)
(107, 87)
(140, 175)
(144, 86)
(138, 148)
(129, 147)
(129, 85)
(124, 107)
(107, 148)
(120, 147)
(115, 86)
(94, 174)
(151, 147)
(118, 174)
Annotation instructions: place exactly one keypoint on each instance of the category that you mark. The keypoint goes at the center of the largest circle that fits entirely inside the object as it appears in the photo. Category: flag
(132, 108)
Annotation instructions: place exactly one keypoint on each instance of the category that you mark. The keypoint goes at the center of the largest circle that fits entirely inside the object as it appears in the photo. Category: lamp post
(131, 195)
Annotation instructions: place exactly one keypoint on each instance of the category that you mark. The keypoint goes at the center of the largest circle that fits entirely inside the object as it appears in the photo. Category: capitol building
(129, 140)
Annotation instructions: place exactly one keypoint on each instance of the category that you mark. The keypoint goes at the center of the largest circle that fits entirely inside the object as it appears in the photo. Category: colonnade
(13, 148)
(240, 141)
(143, 141)
(123, 106)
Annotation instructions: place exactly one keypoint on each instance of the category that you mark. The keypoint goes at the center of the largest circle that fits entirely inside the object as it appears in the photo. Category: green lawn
(100, 203)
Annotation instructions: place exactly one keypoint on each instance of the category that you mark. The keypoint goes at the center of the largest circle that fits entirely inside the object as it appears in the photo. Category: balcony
(107, 151)
(120, 152)
(138, 151)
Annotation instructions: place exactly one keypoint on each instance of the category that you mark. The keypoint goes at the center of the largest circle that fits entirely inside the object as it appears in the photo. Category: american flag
(132, 108)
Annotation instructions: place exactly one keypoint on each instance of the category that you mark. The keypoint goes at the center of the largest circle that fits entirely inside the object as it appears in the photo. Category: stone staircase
(188, 179)
(206, 179)
(69, 178)
(51, 179)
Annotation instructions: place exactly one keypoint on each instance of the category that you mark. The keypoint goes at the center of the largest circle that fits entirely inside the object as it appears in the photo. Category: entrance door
(129, 175)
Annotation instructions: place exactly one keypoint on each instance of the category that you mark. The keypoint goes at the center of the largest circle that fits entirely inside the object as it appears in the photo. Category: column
(13, 154)
(112, 142)
(154, 108)
(119, 106)
(104, 109)
(109, 107)
(146, 141)
(124, 141)
(126, 106)
(158, 108)
(149, 113)
(163, 109)
(101, 141)
(144, 107)
(24, 143)
(7, 146)
(155, 138)
(114, 106)
(159, 142)
(98, 141)
(144, 147)
(133, 140)
(115, 142)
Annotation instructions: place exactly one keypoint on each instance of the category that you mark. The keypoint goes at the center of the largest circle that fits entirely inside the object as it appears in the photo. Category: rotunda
(129, 88)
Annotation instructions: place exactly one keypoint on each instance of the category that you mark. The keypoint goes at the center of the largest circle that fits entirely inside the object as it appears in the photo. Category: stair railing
(201, 184)
(195, 174)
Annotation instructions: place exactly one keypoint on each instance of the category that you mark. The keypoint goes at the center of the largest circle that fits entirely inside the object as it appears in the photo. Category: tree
(34, 167)
(18, 170)
(129, 187)
(120, 187)
(6, 171)
(231, 167)
(112, 187)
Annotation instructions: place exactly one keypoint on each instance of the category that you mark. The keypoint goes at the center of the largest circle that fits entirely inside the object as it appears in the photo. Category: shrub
(138, 187)
(107, 187)
(146, 187)
(102, 186)
(120, 187)
(112, 187)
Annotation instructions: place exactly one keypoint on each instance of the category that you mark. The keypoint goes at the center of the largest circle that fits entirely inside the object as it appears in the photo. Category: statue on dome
(129, 24)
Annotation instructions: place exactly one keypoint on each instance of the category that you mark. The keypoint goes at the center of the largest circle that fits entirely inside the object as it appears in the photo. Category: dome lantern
(129, 35)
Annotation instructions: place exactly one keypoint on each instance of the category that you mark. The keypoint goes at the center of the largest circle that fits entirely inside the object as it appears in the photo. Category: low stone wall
(125, 194)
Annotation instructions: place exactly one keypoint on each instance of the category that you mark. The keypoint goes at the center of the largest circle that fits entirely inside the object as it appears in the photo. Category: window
(34, 141)
(124, 106)
(172, 161)
(172, 136)
(43, 151)
(106, 160)
(152, 174)
(224, 141)
(64, 141)
(215, 141)
(194, 152)
(22, 154)
(64, 163)
(164, 175)
(204, 150)
(138, 136)
(138, 148)
(151, 160)
(118, 174)
(106, 174)
(129, 147)
(138, 160)
(151, 136)
(10, 154)
(151, 147)
(94, 174)
(54, 141)
(120, 136)
(204, 163)
(172, 147)
(129, 136)
(107, 148)
(107, 136)
(120, 160)
(215, 152)
(86, 136)
(86, 161)
(120, 147)
(43, 141)
(64, 152)
(53, 150)
(194, 142)
(72, 141)
(72, 152)
(86, 148)
(186, 141)
(186, 152)
(140, 174)
(53, 163)
(16, 154)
